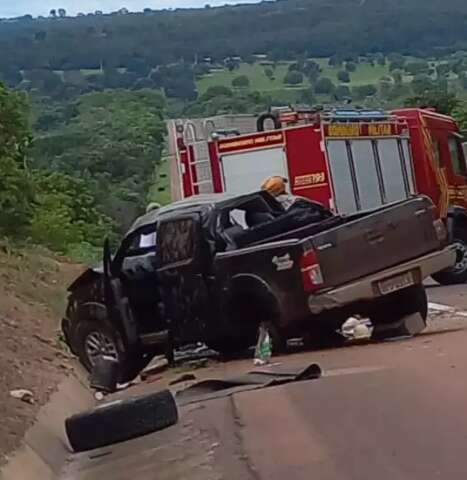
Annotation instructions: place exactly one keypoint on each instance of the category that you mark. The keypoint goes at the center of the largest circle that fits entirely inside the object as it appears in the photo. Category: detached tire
(121, 420)
(458, 273)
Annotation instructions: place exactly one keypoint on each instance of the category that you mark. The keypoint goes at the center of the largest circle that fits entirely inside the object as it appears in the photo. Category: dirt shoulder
(32, 296)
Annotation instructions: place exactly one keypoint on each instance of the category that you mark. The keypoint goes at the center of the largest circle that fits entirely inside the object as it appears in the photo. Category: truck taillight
(312, 277)
(440, 230)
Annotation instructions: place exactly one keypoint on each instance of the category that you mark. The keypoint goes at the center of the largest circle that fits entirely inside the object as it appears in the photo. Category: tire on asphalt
(121, 420)
(458, 273)
(387, 318)
(129, 365)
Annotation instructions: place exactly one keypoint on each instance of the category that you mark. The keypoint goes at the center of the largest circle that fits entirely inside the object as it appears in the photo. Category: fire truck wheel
(457, 273)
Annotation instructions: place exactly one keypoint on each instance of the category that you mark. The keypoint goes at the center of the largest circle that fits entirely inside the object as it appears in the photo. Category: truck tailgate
(369, 243)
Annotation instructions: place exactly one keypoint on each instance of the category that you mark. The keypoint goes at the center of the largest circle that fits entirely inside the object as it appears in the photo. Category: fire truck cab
(350, 160)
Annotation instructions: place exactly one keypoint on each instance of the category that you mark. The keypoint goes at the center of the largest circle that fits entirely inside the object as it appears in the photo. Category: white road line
(438, 307)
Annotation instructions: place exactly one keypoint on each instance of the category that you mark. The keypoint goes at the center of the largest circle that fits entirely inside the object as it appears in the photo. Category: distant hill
(281, 30)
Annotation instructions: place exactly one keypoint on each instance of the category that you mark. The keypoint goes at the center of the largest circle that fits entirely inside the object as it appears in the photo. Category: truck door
(181, 257)
(369, 172)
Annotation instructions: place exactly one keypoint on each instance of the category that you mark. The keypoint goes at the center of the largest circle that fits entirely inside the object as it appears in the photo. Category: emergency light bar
(356, 115)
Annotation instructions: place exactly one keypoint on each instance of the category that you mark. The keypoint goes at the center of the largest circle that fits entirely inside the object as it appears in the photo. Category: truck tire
(121, 420)
(94, 338)
(397, 306)
(457, 273)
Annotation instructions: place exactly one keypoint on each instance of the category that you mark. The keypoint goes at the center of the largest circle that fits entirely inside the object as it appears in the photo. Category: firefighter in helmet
(275, 186)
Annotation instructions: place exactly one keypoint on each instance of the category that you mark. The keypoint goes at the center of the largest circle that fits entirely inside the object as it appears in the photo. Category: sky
(16, 8)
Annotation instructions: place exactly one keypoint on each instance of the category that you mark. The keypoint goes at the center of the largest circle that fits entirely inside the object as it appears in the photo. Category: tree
(61, 12)
(241, 81)
(216, 91)
(112, 143)
(364, 91)
(442, 101)
(350, 66)
(415, 68)
(397, 64)
(324, 86)
(381, 59)
(335, 61)
(342, 92)
(53, 13)
(293, 78)
(422, 83)
(343, 76)
(16, 186)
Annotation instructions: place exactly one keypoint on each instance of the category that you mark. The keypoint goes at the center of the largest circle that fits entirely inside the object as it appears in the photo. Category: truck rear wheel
(457, 273)
(388, 317)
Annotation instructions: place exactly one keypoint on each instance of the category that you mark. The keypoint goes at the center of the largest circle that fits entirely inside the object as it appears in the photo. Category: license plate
(398, 282)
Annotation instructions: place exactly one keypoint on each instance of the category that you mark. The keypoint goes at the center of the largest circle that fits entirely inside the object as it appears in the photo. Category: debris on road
(24, 395)
(263, 350)
(356, 328)
(214, 388)
(104, 374)
(186, 377)
(119, 420)
(157, 365)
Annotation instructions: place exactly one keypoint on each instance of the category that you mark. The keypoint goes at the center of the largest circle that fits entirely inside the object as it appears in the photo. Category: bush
(293, 78)
(343, 76)
(324, 86)
(241, 82)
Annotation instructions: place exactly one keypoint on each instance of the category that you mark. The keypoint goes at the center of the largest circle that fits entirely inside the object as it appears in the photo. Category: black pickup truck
(224, 264)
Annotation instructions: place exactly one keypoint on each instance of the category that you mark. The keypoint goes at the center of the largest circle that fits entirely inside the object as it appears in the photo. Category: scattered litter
(99, 396)
(157, 365)
(356, 328)
(23, 395)
(263, 350)
(186, 377)
(201, 363)
(193, 352)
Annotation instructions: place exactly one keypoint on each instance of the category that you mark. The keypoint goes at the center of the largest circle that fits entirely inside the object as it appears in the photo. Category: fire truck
(350, 160)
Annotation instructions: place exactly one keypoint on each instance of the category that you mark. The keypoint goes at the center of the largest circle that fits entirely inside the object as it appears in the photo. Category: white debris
(356, 328)
(23, 395)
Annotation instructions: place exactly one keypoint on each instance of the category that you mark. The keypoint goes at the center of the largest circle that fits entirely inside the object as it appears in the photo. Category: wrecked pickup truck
(224, 264)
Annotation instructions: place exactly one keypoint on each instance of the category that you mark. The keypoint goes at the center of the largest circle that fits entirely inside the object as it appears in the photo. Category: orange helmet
(274, 185)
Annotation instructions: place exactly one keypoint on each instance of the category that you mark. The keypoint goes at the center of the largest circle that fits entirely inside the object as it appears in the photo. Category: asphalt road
(393, 410)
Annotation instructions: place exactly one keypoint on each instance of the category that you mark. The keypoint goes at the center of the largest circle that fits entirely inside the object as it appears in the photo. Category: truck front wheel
(388, 317)
(457, 273)
(96, 338)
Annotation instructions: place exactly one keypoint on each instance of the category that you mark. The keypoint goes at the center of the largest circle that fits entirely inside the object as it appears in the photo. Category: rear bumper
(367, 288)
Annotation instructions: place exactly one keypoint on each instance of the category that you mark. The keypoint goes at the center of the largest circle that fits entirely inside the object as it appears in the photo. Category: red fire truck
(347, 159)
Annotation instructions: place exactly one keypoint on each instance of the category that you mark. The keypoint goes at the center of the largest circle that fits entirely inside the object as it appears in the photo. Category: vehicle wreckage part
(104, 375)
(210, 389)
(394, 315)
(121, 420)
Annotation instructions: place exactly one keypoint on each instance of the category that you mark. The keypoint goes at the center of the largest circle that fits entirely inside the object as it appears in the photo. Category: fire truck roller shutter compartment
(368, 173)
(244, 172)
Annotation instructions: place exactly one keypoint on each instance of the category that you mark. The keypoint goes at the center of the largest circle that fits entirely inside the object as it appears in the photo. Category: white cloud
(42, 7)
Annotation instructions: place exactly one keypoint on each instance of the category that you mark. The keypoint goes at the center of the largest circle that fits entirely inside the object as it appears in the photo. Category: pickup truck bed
(348, 257)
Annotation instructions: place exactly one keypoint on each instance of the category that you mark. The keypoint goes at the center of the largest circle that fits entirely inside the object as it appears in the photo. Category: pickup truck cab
(222, 264)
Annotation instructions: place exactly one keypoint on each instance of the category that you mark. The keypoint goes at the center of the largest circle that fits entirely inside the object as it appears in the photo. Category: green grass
(364, 75)
(160, 190)
(255, 73)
